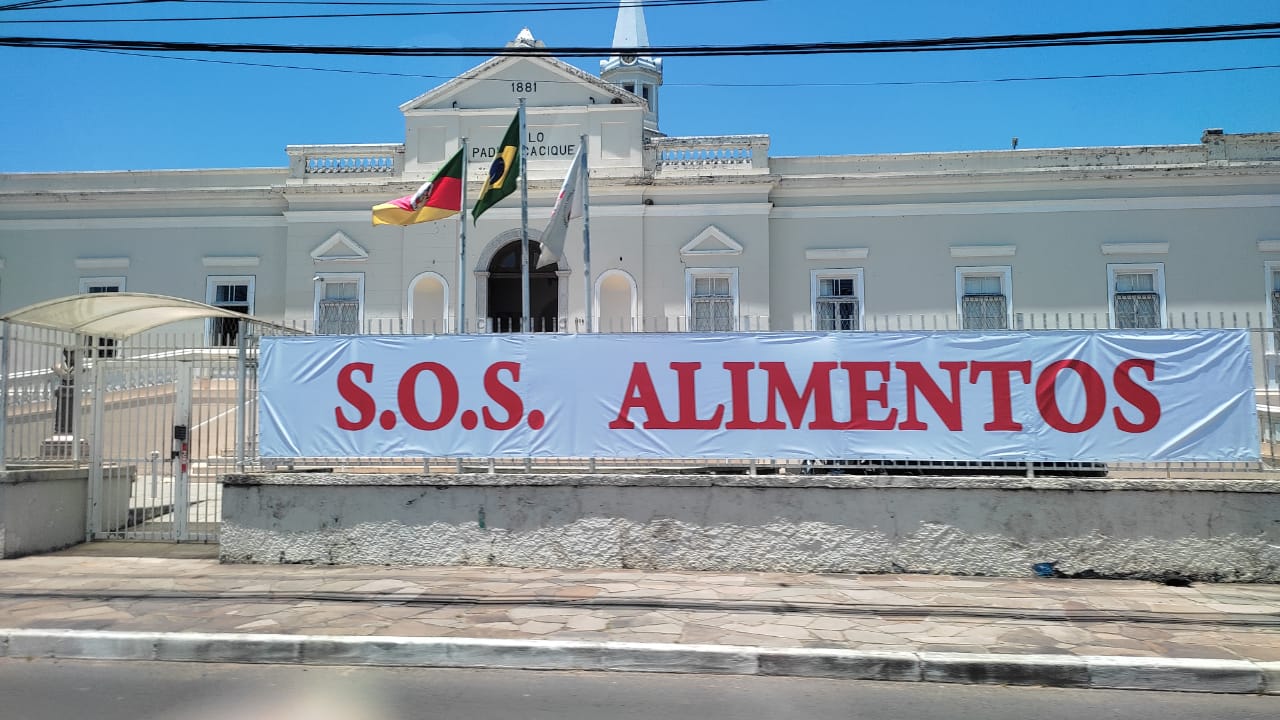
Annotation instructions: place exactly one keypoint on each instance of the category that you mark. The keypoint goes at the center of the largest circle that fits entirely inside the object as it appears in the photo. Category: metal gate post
(182, 445)
(242, 377)
(79, 377)
(4, 388)
(93, 506)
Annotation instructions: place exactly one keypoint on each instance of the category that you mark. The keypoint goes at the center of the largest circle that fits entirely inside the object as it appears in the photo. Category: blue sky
(74, 110)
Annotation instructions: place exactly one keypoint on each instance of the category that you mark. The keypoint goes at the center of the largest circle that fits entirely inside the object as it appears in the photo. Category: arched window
(616, 303)
(429, 304)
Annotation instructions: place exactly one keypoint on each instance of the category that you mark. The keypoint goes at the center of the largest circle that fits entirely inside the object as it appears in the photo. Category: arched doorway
(505, 301)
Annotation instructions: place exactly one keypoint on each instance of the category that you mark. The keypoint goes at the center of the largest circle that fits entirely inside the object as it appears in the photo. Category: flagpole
(462, 247)
(526, 324)
(586, 232)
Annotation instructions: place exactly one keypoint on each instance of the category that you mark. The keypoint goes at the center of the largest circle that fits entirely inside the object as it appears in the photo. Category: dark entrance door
(504, 291)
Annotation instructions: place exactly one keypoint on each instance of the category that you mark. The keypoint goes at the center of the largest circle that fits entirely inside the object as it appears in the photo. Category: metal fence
(167, 415)
(155, 420)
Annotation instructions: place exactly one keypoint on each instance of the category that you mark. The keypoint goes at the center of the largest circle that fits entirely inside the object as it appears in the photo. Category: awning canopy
(116, 315)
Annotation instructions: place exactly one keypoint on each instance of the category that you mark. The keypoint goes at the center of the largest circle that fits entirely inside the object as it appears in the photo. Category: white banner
(1182, 395)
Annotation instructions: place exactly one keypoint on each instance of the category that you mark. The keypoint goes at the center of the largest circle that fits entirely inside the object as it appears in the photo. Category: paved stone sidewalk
(890, 613)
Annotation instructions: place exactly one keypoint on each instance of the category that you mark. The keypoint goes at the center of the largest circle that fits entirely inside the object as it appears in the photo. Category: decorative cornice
(1014, 207)
(849, 253)
(722, 243)
(1136, 248)
(145, 223)
(1269, 246)
(105, 263)
(336, 241)
(442, 92)
(230, 261)
(326, 216)
(970, 251)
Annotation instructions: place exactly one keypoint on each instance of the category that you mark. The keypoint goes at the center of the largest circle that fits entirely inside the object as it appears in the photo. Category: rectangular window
(983, 297)
(712, 297)
(230, 293)
(91, 286)
(837, 300)
(339, 303)
(1137, 295)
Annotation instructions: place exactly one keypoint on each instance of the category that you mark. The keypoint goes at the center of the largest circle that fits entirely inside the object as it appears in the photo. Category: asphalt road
(69, 690)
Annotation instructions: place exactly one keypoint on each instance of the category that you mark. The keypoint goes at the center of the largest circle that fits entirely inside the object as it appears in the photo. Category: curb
(1071, 671)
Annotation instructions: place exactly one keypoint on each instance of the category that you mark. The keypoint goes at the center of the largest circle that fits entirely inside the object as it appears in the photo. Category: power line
(50, 4)
(548, 7)
(1213, 33)
(869, 83)
(30, 5)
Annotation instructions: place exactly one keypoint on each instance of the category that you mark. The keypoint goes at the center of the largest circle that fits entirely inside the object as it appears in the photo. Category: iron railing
(67, 403)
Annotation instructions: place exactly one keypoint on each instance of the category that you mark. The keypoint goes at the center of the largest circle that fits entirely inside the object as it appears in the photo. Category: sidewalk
(103, 601)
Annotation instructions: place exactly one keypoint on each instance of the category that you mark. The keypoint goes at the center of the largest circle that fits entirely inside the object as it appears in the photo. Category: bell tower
(630, 67)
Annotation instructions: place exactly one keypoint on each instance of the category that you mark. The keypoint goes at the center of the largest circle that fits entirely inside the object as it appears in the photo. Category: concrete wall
(43, 509)
(1208, 530)
(1207, 214)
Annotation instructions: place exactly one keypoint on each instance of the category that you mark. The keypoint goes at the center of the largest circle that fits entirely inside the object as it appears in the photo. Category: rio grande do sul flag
(439, 198)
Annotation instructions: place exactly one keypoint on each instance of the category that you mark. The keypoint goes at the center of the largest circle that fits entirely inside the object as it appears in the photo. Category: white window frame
(211, 284)
(1272, 272)
(815, 278)
(1004, 272)
(87, 282)
(691, 274)
(105, 347)
(321, 278)
(1156, 269)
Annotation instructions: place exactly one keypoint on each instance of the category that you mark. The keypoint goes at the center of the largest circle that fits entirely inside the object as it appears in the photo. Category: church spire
(627, 67)
(630, 32)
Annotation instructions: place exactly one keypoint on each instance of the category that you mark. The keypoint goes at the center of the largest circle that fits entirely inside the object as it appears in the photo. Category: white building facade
(687, 233)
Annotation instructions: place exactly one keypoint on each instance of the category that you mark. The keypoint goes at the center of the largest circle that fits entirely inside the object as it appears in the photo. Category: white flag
(568, 206)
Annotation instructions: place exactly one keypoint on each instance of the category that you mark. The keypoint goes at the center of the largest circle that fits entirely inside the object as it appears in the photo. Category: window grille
(985, 312)
(1137, 303)
(837, 306)
(984, 306)
(1137, 310)
(339, 310)
(1275, 319)
(712, 305)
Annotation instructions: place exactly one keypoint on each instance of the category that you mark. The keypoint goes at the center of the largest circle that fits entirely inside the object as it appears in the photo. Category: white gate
(155, 420)
(178, 418)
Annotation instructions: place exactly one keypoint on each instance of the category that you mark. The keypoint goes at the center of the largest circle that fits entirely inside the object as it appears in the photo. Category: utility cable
(30, 4)
(1215, 33)
(868, 83)
(549, 8)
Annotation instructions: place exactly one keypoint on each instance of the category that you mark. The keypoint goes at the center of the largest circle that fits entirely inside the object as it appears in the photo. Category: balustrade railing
(309, 161)
(719, 153)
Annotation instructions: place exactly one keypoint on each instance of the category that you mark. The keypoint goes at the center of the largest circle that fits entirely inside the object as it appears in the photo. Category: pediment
(712, 241)
(341, 248)
(501, 81)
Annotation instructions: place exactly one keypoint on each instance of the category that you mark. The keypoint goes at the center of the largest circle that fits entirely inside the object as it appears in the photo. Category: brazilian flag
(504, 173)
